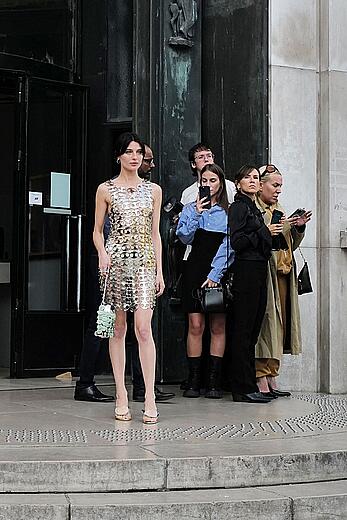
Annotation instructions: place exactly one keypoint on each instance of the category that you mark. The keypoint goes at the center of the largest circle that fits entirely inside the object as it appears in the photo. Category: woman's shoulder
(239, 205)
(103, 188)
(156, 189)
(189, 207)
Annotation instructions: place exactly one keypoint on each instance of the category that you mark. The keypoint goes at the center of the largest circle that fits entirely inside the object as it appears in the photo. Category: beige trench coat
(270, 341)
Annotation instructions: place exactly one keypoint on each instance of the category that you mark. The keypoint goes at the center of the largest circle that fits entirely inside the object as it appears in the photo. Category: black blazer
(249, 236)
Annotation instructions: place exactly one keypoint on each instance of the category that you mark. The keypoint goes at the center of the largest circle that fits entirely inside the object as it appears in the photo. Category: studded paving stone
(51, 443)
(324, 414)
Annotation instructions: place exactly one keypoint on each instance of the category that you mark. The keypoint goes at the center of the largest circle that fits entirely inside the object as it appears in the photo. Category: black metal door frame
(23, 320)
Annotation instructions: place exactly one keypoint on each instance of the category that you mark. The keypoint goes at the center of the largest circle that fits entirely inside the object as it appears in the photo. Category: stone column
(332, 185)
(308, 143)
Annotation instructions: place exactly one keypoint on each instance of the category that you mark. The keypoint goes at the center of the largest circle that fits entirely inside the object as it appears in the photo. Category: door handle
(67, 262)
(79, 263)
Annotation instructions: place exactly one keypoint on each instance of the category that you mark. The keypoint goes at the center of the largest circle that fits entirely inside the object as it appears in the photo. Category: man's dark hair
(199, 147)
(124, 140)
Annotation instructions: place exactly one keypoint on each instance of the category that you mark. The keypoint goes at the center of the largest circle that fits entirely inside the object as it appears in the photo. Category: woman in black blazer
(251, 240)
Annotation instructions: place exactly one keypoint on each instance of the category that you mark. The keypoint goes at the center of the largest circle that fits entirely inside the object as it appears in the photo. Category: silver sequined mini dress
(132, 276)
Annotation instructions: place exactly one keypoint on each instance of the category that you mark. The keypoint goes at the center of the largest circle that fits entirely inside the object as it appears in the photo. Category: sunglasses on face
(148, 161)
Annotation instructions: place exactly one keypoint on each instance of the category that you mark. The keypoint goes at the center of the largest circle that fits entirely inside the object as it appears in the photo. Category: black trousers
(243, 323)
(93, 346)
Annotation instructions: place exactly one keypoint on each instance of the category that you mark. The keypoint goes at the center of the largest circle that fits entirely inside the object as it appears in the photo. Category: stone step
(262, 464)
(321, 500)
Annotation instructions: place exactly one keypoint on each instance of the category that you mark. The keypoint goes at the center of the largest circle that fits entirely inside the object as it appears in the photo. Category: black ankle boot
(193, 383)
(214, 390)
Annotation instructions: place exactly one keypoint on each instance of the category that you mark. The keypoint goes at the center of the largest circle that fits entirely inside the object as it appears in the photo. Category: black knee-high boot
(193, 384)
(213, 390)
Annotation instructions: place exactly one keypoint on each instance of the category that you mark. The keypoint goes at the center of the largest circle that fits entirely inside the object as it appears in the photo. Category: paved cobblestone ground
(48, 416)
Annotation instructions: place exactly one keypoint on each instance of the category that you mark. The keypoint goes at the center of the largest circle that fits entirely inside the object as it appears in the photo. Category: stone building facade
(259, 80)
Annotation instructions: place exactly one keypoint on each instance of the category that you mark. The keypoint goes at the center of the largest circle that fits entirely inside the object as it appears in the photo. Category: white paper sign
(35, 198)
(60, 190)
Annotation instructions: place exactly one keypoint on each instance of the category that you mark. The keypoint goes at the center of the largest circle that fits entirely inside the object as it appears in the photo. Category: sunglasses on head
(270, 168)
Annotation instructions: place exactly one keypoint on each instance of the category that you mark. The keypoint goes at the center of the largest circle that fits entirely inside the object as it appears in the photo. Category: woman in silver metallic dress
(132, 258)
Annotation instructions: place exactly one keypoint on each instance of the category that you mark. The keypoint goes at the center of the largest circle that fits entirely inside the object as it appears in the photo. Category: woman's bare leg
(117, 355)
(217, 326)
(263, 386)
(195, 332)
(143, 332)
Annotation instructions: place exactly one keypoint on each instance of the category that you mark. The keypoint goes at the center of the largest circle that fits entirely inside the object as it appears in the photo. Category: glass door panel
(55, 170)
(9, 87)
(47, 146)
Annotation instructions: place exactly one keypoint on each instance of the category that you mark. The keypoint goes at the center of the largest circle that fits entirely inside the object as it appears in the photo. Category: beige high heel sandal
(149, 419)
(122, 414)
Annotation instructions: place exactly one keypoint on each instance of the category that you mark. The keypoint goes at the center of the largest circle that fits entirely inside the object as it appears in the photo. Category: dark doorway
(43, 128)
(8, 123)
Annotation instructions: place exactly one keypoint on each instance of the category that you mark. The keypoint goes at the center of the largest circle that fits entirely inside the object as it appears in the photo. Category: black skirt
(197, 267)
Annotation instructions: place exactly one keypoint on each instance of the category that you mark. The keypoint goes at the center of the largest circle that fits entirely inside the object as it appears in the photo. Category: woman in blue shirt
(206, 230)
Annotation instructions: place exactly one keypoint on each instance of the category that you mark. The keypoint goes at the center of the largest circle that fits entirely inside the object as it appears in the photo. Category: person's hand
(292, 220)
(159, 284)
(104, 263)
(201, 203)
(276, 229)
(303, 219)
(209, 283)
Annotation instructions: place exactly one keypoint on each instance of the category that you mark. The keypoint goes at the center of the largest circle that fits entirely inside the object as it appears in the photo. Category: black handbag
(211, 299)
(304, 281)
(216, 299)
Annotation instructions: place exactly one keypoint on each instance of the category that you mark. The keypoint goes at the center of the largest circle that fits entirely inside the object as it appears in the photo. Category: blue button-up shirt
(215, 220)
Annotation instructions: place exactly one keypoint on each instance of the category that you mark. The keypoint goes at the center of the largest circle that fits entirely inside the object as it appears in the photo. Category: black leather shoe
(191, 392)
(255, 397)
(139, 395)
(269, 395)
(280, 393)
(162, 396)
(91, 393)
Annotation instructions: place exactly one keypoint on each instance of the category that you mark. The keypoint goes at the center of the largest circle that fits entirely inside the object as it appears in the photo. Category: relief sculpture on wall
(184, 14)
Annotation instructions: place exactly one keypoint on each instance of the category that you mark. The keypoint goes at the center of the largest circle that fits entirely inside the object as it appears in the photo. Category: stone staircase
(318, 501)
(287, 460)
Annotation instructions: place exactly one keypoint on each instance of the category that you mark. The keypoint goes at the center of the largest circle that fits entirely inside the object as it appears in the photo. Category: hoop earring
(118, 160)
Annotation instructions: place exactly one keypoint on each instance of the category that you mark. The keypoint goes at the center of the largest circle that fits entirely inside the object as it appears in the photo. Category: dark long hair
(124, 140)
(222, 196)
(243, 171)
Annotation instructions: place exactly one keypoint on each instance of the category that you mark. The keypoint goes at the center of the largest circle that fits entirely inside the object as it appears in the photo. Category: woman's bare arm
(157, 197)
(101, 208)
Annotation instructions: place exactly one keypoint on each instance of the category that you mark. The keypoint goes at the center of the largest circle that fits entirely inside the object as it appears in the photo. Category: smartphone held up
(298, 213)
(276, 216)
(275, 219)
(205, 192)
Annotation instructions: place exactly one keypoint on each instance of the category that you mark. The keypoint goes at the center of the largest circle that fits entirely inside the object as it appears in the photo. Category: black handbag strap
(229, 277)
(302, 256)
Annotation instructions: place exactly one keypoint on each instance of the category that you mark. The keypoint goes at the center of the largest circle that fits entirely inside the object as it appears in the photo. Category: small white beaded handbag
(106, 316)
